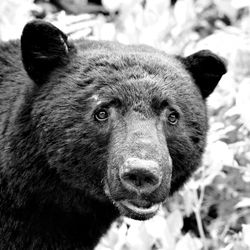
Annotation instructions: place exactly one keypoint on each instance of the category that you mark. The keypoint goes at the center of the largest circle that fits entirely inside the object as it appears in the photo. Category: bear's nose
(143, 176)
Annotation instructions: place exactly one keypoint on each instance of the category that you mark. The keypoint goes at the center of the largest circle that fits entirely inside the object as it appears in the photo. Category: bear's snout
(140, 176)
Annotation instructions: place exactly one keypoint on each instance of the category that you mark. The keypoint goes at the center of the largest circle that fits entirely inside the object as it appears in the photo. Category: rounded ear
(44, 47)
(206, 69)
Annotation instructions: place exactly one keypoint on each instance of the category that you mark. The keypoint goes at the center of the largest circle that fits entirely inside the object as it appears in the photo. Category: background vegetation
(212, 211)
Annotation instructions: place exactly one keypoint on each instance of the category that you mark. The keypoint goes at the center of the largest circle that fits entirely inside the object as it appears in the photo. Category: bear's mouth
(135, 208)
(139, 210)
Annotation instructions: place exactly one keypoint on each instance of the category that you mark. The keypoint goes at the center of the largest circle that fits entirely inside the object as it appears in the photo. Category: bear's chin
(137, 211)
(134, 208)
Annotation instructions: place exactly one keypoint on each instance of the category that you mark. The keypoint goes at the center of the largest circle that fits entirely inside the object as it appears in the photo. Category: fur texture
(82, 126)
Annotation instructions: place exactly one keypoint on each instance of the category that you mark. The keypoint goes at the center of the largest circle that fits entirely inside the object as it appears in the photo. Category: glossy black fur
(55, 159)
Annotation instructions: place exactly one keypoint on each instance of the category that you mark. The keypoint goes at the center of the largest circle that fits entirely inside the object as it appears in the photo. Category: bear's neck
(47, 224)
(42, 210)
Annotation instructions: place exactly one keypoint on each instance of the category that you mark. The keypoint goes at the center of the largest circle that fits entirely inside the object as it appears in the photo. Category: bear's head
(121, 123)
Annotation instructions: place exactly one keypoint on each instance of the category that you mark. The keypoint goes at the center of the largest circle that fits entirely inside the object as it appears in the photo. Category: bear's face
(127, 126)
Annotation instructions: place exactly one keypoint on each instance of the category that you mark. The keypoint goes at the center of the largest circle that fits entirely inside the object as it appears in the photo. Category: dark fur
(57, 161)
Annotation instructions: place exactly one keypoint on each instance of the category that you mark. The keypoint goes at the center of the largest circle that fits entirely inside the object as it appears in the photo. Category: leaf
(243, 100)
(240, 4)
(188, 243)
(14, 15)
(137, 237)
(216, 157)
(188, 197)
(245, 202)
(163, 230)
(246, 174)
(175, 222)
(246, 234)
(112, 5)
(114, 236)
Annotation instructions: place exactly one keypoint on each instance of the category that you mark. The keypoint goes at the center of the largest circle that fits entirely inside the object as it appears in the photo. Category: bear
(92, 130)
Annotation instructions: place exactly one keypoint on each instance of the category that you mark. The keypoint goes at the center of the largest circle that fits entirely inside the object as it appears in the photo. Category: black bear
(92, 130)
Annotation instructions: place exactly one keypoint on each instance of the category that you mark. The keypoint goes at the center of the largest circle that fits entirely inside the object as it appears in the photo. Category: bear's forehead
(144, 94)
(135, 77)
(135, 73)
(138, 63)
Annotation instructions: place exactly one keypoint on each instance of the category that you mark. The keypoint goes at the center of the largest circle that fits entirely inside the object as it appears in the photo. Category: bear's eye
(101, 115)
(173, 118)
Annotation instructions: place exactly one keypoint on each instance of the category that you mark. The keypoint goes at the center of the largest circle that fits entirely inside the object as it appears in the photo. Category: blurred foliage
(212, 211)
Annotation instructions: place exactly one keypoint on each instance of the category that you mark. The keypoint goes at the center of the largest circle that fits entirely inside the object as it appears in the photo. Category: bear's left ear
(206, 69)
(44, 47)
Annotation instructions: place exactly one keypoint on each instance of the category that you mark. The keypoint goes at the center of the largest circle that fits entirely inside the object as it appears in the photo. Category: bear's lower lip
(139, 212)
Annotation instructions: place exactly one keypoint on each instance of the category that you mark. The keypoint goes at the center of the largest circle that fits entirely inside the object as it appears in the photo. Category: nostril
(133, 179)
(140, 179)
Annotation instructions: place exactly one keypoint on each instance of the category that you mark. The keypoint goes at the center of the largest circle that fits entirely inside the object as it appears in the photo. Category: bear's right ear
(44, 47)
